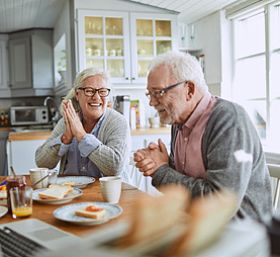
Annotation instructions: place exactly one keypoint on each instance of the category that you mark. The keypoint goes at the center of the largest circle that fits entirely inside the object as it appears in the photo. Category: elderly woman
(90, 139)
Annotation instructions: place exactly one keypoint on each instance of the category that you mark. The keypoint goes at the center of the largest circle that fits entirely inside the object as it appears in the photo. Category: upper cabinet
(124, 43)
(4, 87)
(104, 42)
(31, 62)
(152, 35)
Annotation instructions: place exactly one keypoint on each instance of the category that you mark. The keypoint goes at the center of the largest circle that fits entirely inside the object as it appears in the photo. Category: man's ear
(190, 90)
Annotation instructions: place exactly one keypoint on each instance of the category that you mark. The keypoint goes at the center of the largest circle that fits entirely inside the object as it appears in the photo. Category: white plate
(3, 211)
(67, 213)
(68, 198)
(79, 181)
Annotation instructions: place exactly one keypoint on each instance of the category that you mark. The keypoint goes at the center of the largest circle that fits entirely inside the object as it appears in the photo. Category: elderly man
(214, 145)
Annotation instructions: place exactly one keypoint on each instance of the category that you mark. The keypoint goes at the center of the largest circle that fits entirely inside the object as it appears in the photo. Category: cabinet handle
(127, 78)
(133, 78)
(10, 85)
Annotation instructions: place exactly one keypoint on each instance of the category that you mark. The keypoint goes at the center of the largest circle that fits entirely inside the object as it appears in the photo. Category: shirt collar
(198, 111)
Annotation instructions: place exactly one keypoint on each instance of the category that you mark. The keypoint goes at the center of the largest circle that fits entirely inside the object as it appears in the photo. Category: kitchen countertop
(5, 129)
(29, 135)
(44, 134)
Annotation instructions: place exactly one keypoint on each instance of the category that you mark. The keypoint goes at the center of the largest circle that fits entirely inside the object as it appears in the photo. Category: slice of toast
(55, 192)
(92, 212)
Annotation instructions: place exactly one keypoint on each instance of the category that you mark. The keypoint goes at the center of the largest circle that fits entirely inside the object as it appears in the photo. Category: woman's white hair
(78, 82)
(183, 67)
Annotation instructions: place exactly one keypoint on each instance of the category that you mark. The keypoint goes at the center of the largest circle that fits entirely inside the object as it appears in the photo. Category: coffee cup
(36, 174)
(111, 188)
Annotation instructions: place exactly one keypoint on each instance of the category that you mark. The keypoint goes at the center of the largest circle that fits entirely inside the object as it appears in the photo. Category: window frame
(268, 10)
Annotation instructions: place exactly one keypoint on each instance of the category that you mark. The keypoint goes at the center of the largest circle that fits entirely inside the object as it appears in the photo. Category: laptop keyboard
(15, 245)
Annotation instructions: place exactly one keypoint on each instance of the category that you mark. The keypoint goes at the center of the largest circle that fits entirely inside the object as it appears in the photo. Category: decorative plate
(3, 211)
(67, 213)
(67, 198)
(75, 181)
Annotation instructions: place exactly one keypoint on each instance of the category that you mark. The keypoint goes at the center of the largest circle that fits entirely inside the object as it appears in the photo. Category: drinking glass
(21, 201)
(14, 182)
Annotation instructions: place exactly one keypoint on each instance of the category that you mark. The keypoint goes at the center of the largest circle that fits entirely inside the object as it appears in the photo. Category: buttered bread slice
(55, 192)
(91, 211)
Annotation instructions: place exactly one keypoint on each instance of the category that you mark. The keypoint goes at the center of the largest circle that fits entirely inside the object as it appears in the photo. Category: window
(256, 69)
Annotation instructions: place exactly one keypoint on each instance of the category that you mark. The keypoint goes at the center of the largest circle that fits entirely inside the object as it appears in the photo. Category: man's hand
(148, 160)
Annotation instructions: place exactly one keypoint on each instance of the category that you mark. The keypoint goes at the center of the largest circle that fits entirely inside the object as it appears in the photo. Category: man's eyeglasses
(88, 91)
(159, 93)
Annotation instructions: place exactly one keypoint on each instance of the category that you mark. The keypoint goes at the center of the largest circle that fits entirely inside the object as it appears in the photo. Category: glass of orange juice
(21, 201)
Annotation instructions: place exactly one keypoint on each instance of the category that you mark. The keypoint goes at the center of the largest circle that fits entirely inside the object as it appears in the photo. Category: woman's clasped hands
(73, 125)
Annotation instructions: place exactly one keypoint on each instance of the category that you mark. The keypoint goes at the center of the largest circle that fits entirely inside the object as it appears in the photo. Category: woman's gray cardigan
(111, 156)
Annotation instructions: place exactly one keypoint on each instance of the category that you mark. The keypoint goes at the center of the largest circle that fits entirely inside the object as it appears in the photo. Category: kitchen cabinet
(151, 35)
(124, 42)
(31, 63)
(21, 148)
(21, 155)
(4, 88)
(140, 138)
(3, 155)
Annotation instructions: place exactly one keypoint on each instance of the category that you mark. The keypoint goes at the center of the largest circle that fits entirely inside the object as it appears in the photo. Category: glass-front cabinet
(123, 43)
(103, 42)
(152, 35)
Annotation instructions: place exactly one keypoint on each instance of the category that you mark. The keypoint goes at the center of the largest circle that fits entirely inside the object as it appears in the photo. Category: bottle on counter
(6, 120)
(132, 118)
(2, 119)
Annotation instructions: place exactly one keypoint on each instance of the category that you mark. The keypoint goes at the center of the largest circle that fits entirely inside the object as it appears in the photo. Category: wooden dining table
(91, 193)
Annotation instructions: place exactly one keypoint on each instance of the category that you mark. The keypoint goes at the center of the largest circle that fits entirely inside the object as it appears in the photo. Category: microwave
(29, 115)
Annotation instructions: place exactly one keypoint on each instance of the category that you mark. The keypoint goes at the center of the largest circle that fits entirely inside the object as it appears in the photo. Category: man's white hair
(183, 67)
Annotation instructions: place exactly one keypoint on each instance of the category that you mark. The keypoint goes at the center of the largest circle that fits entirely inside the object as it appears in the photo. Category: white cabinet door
(21, 155)
(3, 63)
(104, 43)
(151, 35)
(135, 177)
(124, 43)
(138, 142)
(20, 61)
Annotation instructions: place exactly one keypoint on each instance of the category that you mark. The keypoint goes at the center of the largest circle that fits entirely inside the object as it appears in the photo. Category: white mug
(38, 173)
(111, 188)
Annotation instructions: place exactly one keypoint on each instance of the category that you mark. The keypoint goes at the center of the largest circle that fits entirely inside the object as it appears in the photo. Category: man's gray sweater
(233, 158)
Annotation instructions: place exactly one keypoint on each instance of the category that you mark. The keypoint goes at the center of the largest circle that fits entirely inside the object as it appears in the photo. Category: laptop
(238, 240)
(43, 233)
(60, 243)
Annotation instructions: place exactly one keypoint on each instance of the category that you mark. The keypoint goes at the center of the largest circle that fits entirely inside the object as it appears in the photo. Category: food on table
(55, 192)
(69, 183)
(3, 191)
(91, 211)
